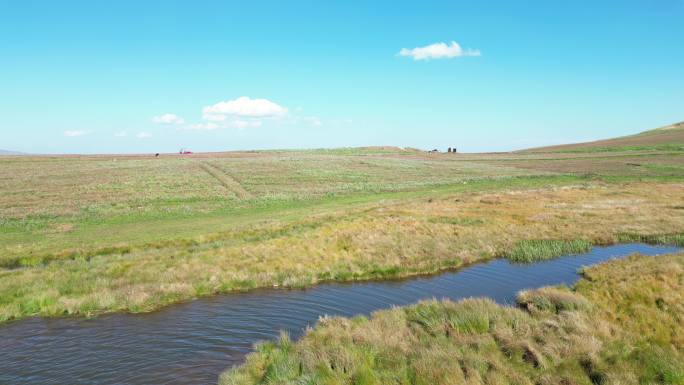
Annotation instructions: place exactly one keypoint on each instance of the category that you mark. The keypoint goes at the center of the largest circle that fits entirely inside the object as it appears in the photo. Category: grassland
(83, 235)
(664, 138)
(623, 323)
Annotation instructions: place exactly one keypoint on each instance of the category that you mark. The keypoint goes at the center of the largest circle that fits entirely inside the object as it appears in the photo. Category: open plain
(84, 235)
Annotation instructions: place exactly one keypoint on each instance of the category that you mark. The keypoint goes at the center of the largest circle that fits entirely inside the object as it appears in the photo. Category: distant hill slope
(671, 136)
(6, 152)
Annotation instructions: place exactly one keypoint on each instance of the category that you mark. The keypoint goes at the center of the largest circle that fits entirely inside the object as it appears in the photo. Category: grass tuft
(463, 221)
(551, 299)
(533, 250)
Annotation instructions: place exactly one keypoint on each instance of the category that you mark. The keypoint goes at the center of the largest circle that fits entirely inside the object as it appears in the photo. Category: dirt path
(226, 180)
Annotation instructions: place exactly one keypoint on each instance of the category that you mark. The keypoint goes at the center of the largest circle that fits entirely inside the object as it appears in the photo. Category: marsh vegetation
(601, 331)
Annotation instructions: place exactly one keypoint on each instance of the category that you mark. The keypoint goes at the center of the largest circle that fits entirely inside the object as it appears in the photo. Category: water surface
(192, 343)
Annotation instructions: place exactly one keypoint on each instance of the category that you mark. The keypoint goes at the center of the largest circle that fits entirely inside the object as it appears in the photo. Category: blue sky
(132, 76)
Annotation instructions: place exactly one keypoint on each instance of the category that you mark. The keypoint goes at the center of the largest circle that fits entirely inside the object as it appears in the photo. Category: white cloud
(239, 124)
(120, 134)
(438, 51)
(203, 126)
(168, 119)
(313, 120)
(73, 133)
(240, 113)
(214, 117)
(316, 122)
(242, 124)
(143, 135)
(301, 120)
(244, 107)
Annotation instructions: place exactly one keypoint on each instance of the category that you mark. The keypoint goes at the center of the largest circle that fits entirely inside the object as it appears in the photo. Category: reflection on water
(192, 343)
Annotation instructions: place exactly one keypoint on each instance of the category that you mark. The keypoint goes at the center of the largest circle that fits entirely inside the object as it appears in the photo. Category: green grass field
(83, 235)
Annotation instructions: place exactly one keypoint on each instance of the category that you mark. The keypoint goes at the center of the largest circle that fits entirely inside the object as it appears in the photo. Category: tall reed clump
(676, 239)
(533, 250)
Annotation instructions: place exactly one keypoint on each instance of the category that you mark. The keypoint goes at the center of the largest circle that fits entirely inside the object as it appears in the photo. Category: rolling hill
(662, 138)
(6, 152)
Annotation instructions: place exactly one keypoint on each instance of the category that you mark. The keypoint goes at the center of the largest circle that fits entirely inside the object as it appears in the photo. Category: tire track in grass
(226, 180)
